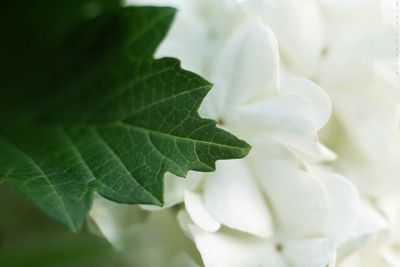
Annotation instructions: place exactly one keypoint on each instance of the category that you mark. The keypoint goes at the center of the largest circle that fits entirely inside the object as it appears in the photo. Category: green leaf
(91, 110)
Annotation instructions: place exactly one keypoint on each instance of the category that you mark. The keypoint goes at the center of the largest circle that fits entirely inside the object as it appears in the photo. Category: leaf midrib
(166, 135)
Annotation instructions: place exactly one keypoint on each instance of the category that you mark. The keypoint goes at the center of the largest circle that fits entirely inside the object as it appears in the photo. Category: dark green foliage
(84, 107)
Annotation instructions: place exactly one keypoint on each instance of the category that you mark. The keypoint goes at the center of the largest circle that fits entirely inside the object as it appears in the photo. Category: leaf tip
(244, 149)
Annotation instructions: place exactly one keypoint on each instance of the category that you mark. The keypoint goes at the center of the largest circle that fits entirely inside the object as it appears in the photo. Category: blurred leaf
(28, 239)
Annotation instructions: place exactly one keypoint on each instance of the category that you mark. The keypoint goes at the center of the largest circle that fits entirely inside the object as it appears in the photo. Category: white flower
(279, 206)
(357, 65)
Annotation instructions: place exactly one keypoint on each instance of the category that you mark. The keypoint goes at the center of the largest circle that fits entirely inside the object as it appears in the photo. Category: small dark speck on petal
(324, 51)
(278, 247)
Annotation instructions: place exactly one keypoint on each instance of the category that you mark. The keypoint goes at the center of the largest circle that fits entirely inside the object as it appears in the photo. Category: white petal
(287, 119)
(354, 8)
(233, 198)
(155, 242)
(185, 222)
(186, 35)
(355, 41)
(298, 199)
(349, 61)
(353, 30)
(267, 149)
(315, 97)
(298, 26)
(376, 114)
(174, 188)
(343, 201)
(370, 159)
(198, 212)
(223, 250)
(370, 220)
(318, 252)
(114, 219)
(372, 257)
(245, 69)
(368, 224)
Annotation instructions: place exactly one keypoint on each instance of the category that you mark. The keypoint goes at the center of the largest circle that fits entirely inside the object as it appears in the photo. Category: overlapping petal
(297, 25)
(246, 69)
(233, 198)
(198, 212)
(298, 199)
(227, 250)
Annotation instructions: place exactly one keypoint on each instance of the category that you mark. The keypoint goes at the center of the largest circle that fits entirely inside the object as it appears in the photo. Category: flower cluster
(285, 204)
